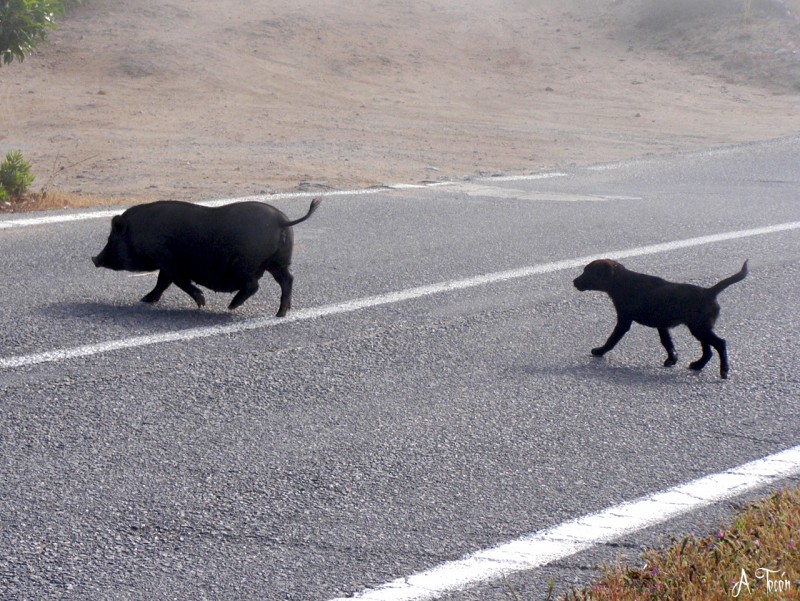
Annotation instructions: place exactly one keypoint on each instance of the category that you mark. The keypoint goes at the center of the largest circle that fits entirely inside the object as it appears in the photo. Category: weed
(15, 175)
(757, 554)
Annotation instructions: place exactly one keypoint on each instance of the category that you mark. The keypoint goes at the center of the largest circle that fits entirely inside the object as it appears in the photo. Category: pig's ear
(118, 225)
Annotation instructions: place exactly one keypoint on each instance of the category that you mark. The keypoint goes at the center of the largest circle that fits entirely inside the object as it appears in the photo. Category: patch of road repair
(379, 300)
(488, 191)
(563, 540)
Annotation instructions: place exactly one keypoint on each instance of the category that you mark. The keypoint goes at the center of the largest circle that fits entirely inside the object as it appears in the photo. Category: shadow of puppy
(657, 303)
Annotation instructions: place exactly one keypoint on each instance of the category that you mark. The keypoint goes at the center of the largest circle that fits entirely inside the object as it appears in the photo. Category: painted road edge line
(568, 538)
(107, 214)
(379, 300)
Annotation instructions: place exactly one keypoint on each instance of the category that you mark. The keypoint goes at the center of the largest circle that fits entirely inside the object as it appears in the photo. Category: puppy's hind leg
(708, 339)
(666, 342)
(705, 357)
(722, 350)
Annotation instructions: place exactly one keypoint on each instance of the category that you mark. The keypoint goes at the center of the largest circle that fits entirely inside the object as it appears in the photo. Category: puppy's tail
(311, 209)
(737, 277)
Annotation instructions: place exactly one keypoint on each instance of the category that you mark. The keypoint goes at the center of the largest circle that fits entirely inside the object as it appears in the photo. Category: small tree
(24, 24)
(15, 176)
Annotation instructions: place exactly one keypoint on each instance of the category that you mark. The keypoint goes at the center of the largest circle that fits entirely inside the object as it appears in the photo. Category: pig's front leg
(162, 284)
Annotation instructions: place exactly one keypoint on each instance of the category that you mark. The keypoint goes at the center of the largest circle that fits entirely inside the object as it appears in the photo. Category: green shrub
(24, 24)
(15, 175)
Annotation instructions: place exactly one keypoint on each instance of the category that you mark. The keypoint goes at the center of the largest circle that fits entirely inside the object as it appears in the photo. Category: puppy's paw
(599, 351)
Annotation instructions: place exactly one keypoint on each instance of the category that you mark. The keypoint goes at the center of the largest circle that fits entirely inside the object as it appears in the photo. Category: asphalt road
(313, 458)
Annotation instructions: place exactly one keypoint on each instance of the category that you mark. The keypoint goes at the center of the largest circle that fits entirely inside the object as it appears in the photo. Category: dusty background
(198, 99)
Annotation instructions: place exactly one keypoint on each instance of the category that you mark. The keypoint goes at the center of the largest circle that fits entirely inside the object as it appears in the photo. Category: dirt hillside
(197, 99)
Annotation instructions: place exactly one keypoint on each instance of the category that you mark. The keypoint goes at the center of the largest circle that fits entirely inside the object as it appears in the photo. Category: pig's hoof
(200, 300)
(150, 298)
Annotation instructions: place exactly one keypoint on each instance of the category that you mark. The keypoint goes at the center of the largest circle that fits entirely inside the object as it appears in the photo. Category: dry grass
(766, 536)
(55, 199)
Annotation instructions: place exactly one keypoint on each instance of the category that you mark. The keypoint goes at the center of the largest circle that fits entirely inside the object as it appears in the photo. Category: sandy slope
(205, 98)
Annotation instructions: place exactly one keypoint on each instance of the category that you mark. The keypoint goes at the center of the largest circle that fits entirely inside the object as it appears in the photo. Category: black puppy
(657, 303)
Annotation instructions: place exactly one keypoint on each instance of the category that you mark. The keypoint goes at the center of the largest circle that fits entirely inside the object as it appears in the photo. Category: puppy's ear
(607, 268)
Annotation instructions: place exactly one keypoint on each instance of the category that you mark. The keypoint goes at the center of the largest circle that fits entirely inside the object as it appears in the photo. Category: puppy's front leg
(622, 327)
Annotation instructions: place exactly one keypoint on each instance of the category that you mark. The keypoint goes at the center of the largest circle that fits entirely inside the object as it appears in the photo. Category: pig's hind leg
(285, 279)
(245, 292)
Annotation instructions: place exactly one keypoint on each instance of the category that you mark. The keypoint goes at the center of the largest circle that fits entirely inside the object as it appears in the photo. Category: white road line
(87, 215)
(291, 195)
(49, 219)
(546, 546)
(378, 300)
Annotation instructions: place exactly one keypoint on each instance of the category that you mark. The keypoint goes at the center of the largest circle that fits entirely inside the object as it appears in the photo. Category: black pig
(225, 249)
